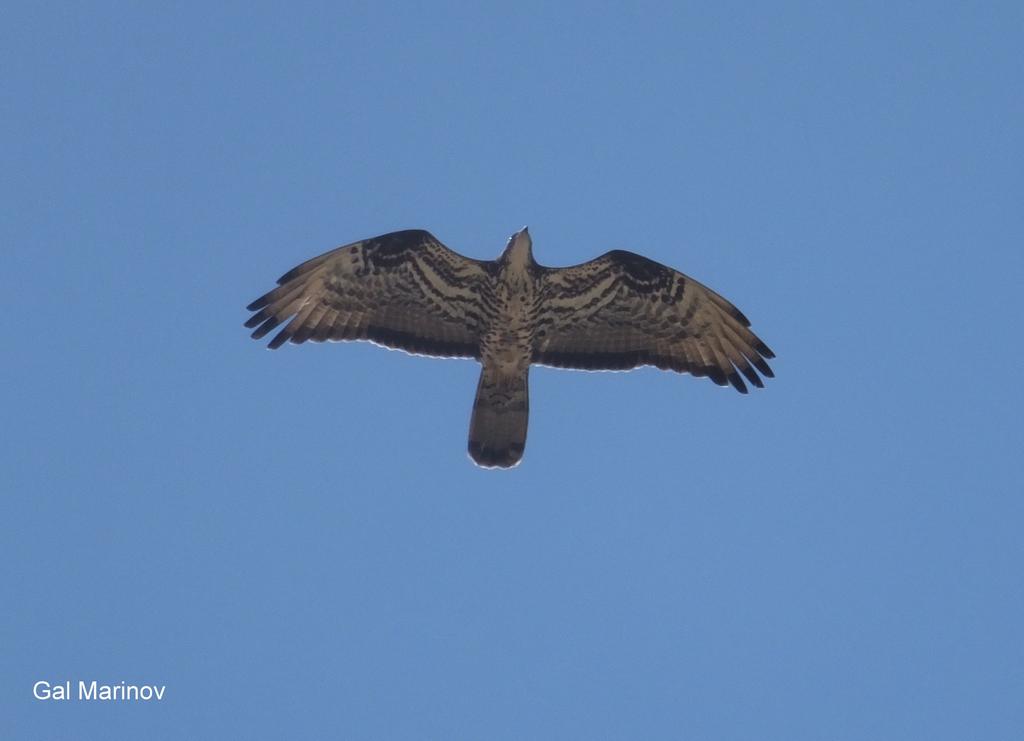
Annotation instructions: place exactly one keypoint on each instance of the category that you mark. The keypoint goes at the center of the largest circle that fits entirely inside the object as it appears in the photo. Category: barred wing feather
(622, 311)
(403, 290)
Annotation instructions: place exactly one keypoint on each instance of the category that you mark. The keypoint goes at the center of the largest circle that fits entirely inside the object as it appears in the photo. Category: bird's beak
(519, 243)
(524, 232)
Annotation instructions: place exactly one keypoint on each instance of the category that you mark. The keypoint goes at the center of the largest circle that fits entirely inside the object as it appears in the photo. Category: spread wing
(404, 290)
(622, 311)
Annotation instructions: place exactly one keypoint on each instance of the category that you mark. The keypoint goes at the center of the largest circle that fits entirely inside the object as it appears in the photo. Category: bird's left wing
(622, 310)
(403, 290)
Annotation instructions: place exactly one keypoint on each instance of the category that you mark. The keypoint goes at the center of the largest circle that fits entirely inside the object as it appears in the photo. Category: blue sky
(296, 544)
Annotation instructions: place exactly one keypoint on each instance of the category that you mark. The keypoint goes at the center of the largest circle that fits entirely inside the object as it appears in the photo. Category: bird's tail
(497, 430)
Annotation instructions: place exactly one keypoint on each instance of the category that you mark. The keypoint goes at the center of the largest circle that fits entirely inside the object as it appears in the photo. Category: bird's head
(519, 250)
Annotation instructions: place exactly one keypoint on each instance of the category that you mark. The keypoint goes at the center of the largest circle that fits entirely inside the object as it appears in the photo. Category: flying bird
(406, 290)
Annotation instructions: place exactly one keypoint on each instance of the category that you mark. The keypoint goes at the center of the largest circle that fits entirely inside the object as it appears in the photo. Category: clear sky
(296, 544)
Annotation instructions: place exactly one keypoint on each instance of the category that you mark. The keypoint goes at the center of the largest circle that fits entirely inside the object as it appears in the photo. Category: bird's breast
(509, 337)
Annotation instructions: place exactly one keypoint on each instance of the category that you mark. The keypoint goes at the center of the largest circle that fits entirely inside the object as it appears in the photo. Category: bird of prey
(406, 290)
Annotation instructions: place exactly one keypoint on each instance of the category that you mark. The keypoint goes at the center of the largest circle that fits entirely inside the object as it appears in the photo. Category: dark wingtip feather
(762, 366)
(755, 379)
(264, 328)
(279, 339)
(737, 382)
(255, 319)
(764, 349)
(717, 375)
(259, 303)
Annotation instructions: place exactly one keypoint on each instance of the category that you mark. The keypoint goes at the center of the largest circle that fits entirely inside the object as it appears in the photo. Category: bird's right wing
(403, 290)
